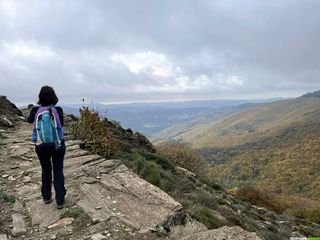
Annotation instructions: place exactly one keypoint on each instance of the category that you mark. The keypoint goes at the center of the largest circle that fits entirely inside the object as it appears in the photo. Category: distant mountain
(152, 118)
(275, 145)
(312, 94)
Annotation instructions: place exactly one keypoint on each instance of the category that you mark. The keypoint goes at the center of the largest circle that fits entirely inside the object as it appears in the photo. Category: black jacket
(35, 109)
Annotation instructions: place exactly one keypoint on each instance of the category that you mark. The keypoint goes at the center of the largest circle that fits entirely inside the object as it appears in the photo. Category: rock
(222, 233)
(43, 214)
(18, 207)
(3, 237)
(186, 172)
(6, 123)
(26, 179)
(19, 225)
(61, 223)
(53, 237)
(95, 220)
(26, 158)
(90, 180)
(98, 236)
(11, 178)
(141, 204)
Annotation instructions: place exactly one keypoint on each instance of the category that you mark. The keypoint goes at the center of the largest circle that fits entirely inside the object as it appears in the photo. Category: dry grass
(189, 228)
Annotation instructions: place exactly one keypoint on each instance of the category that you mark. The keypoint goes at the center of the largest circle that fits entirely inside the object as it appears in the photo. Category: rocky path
(105, 200)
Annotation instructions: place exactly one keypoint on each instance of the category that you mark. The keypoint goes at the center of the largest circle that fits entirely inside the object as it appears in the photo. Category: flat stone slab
(92, 198)
(19, 225)
(43, 214)
(123, 194)
(72, 142)
(76, 153)
(72, 165)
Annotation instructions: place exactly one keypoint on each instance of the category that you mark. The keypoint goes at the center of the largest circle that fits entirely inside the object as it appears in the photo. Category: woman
(48, 137)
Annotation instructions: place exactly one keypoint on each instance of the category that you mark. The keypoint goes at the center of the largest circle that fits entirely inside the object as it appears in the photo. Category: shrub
(261, 198)
(204, 198)
(182, 155)
(312, 215)
(162, 161)
(95, 134)
(212, 184)
(148, 170)
(205, 216)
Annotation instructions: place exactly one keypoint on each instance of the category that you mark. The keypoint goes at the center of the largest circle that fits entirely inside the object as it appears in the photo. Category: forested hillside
(274, 145)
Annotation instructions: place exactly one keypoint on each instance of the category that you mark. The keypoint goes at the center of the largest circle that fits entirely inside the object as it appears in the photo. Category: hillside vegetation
(274, 146)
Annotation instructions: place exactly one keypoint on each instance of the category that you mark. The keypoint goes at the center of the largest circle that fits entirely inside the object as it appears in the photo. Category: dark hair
(47, 96)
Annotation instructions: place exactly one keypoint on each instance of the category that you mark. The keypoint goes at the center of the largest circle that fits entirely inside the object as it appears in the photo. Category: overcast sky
(150, 50)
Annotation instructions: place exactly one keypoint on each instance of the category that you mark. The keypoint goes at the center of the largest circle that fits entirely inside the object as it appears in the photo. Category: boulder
(122, 194)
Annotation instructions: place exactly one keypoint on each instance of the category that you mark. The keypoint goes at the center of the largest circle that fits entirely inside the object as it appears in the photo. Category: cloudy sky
(150, 50)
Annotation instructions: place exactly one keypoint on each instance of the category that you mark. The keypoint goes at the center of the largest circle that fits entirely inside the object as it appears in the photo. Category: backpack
(47, 127)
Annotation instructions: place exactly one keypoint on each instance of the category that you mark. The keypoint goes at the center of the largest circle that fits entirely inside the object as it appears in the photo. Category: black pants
(52, 159)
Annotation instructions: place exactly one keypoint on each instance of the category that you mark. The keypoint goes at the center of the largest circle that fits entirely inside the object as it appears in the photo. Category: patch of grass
(202, 214)
(7, 198)
(29, 220)
(191, 227)
(148, 170)
(205, 216)
(70, 212)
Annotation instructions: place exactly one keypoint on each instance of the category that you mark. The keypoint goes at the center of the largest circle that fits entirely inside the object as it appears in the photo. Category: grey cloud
(270, 46)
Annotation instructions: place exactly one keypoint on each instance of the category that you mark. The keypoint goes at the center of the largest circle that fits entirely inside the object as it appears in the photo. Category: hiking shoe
(60, 205)
(47, 201)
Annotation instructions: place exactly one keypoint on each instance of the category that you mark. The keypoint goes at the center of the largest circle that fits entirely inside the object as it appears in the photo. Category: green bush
(211, 184)
(95, 134)
(147, 170)
(163, 162)
(202, 214)
(152, 174)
